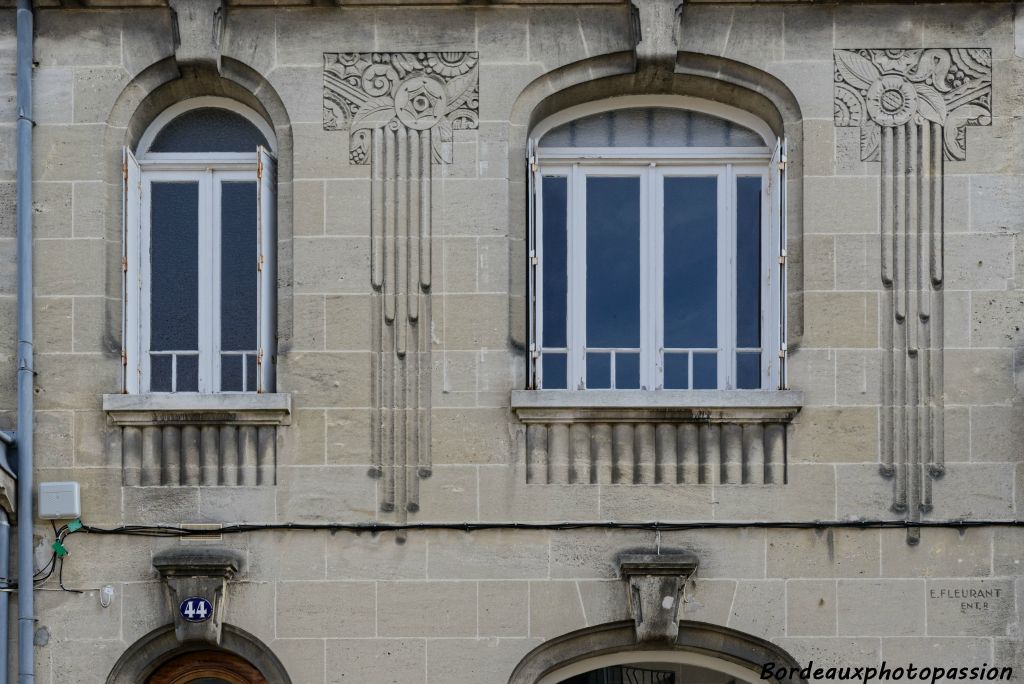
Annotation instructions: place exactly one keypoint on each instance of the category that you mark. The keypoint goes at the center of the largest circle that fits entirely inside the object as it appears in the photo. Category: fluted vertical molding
(229, 455)
(912, 106)
(732, 454)
(666, 454)
(558, 453)
(190, 447)
(688, 450)
(601, 448)
(775, 453)
(266, 455)
(753, 452)
(400, 110)
(247, 455)
(131, 450)
(622, 453)
(644, 450)
(152, 448)
(536, 454)
(209, 455)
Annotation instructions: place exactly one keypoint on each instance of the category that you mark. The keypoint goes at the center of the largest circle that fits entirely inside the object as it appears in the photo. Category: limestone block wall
(457, 607)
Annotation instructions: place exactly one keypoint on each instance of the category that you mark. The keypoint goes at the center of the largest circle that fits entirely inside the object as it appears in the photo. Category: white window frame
(652, 166)
(209, 171)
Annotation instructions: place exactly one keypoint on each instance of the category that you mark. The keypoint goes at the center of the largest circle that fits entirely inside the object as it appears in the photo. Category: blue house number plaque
(196, 609)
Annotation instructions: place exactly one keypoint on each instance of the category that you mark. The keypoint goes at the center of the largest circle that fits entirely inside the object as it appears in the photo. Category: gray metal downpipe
(26, 615)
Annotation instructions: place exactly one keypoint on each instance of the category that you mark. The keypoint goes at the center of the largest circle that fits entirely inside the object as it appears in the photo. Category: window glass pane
(651, 127)
(705, 371)
(208, 129)
(691, 262)
(160, 373)
(613, 262)
(231, 372)
(677, 371)
(250, 372)
(554, 273)
(599, 370)
(554, 370)
(238, 266)
(627, 371)
(187, 379)
(748, 262)
(748, 370)
(174, 266)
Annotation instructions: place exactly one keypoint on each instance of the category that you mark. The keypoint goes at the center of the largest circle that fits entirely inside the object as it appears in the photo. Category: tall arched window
(199, 240)
(656, 248)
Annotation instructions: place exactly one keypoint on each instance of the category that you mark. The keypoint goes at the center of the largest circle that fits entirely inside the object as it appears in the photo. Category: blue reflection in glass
(627, 371)
(748, 262)
(613, 262)
(554, 370)
(209, 129)
(555, 271)
(599, 371)
(174, 266)
(187, 378)
(691, 263)
(250, 372)
(231, 373)
(748, 370)
(238, 266)
(677, 371)
(705, 371)
(160, 373)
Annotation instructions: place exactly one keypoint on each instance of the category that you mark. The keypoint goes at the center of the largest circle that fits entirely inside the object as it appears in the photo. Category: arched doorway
(610, 654)
(159, 658)
(207, 667)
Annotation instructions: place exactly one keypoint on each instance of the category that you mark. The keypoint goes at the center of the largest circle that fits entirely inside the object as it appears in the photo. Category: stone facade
(450, 606)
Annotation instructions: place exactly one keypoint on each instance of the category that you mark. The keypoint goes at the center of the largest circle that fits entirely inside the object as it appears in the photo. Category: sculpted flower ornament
(424, 91)
(877, 89)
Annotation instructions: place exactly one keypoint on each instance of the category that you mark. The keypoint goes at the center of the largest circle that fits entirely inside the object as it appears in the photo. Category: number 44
(192, 611)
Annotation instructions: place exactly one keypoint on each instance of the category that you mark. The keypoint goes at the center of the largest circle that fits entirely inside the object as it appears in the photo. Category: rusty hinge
(259, 357)
(124, 358)
(124, 169)
(259, 264)
(259, 167)
(124, 264)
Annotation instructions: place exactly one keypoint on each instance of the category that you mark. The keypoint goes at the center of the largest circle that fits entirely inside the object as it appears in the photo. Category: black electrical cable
(175, 531)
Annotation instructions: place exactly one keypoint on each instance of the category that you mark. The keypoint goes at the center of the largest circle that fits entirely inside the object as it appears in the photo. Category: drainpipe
(26, 617)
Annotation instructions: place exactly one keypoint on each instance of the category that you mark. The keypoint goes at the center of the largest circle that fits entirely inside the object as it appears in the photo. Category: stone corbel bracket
(913, 107)
(655, 24)
(201, 572)
(198, 29)
(656, 584)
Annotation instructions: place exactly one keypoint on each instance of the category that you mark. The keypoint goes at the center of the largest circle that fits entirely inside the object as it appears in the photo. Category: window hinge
(259, 264)
(782, 352)
(533, 257)
(124, 170)
(533, 163)
(124, 358)
(124, 264)
(259, 168)
(259, 357)
(782, 257)
(782, 163)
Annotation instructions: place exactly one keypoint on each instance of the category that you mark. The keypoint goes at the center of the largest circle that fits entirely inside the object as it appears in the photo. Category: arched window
(656, 248)
(199, 251)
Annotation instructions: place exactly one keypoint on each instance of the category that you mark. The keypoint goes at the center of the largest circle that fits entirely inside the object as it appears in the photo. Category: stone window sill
(746, 406)
(227, 408)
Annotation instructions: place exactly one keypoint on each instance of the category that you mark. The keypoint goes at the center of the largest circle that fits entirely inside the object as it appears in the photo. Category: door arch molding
(614, 643)
(152, 651)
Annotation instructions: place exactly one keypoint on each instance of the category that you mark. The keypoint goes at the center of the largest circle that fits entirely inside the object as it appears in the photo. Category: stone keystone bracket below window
(913, 108)
(400, 109)
(203, 573)
(656, 584)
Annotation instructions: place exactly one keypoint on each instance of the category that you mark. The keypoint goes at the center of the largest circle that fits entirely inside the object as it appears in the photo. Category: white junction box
(58, 500)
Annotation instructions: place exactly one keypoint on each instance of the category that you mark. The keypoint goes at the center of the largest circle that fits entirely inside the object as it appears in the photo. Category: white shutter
(777, 184)
(131, 295)
(266, 266)
(532, 306)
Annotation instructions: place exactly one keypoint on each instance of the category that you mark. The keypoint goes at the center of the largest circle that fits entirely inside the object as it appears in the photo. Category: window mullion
(577, 248)
(726, 299)
(144, 286)
(209, 266)
(652, 276)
